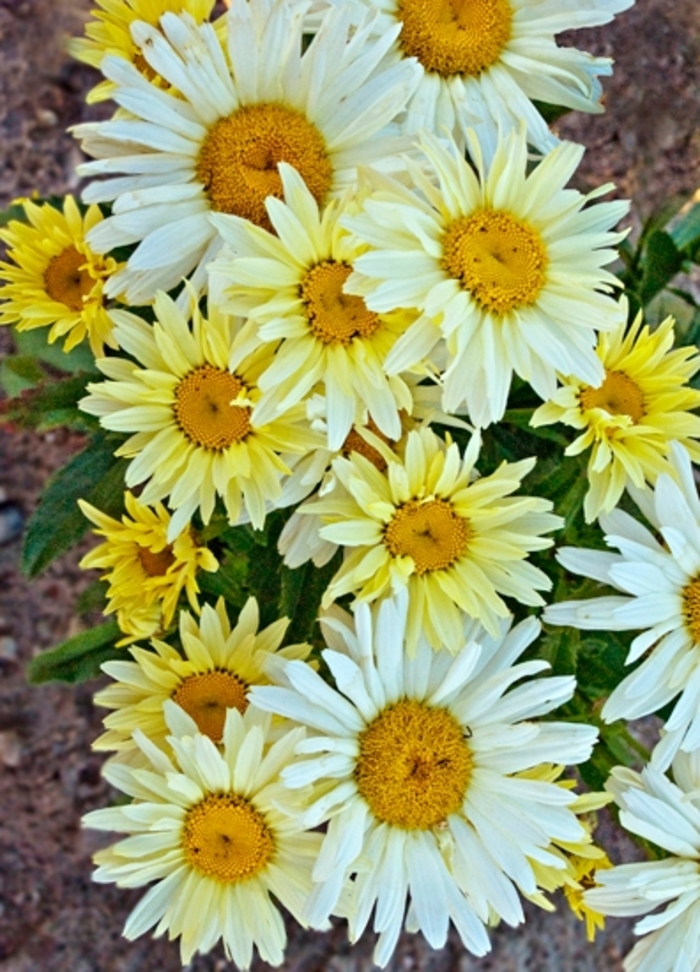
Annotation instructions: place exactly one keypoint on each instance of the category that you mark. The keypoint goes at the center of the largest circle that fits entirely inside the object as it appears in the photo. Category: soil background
(52, 917)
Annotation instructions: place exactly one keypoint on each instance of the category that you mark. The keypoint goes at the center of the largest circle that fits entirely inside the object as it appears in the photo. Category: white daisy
(415, 759)
(217, 832)
(485, 61)
(505, 265)
(216, 145)
(668, 814)
(659, 580)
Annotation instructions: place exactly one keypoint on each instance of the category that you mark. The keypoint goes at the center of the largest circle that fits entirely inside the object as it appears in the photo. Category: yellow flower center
(155, 564)
(67, 279)
(225, 837)
(618, 395)
(691, 598)
(203, 408)
(335, 317)
(208, 697)
(430, 532)
(498, 259)
(354, 442)
(414, 765)
(238, 160)
(455, 36)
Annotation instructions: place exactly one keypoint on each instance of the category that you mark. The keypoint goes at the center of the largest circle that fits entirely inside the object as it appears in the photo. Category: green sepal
(79, 658)
(57, 523)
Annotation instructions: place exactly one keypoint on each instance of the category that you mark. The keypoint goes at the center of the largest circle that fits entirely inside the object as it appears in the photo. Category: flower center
(455, 36)
(225, 837)
(335, 317)
(67, 279)
(155, 564)
(207, 698)
(618, 395)
(691, 597)
(414, 765)
(203, 408)
(354, 442)
(238, 160)
(430, 532)
(500, 260)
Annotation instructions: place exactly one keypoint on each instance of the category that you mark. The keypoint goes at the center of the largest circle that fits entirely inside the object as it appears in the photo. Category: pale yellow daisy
(290, 283)
(54, 278)
(213, 672)
(243, 105)
(504, 264)
(109, 33)
(455, 542)
(146, 573)
(216, 834)
(195, 437)
(629, 420)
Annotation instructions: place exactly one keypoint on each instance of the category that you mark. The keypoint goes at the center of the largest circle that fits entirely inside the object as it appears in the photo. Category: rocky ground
(52, 918)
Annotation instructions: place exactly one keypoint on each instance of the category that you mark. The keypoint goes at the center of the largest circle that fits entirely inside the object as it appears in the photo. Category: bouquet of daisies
(373, 436)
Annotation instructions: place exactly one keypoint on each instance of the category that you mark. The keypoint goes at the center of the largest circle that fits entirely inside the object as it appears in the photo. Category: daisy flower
(630, 418)
(415, 758)
(142, 567)
(668, 814)
(216, 146)
(55, 279)
(217, 832)
(108, 33)
(506, 266)
(658, 575)
(485, 61)
(195, 437)
(291, 285)
(456, 543)
(212, 674)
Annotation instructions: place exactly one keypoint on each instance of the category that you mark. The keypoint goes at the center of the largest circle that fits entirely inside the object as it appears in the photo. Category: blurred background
(52, 918)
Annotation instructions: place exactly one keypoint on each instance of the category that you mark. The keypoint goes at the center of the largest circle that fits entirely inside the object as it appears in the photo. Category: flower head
(55, 279)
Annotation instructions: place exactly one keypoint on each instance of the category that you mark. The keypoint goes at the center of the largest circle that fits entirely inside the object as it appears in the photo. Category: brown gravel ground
(52, 918)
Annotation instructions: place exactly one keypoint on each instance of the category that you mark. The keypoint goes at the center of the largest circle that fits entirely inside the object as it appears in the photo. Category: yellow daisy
(195, 435)
(109, 33)
(213, 673)
(425, 524)
(146, 573)
(504, 264)
(54, 279)
(291, 285)
(629, 420)
(218, 835)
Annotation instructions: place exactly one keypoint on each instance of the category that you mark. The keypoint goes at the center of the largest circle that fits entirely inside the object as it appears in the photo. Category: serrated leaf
(49, 405)
(57, 523)
(79, 658)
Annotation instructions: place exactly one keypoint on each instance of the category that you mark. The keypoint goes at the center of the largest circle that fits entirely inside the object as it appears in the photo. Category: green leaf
(19, 372)
(77, 659)
(685, 232)
(34, 343)
(51, 404)
(57, 523)
(661, 261)
(601, 664)
(305, 586)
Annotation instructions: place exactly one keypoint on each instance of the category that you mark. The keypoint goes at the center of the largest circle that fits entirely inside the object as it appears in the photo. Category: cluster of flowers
(368, 259)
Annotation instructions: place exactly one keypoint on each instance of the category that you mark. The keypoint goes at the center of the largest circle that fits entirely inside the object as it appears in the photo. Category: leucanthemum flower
(55, 279)
(145, 572)
(109, 33)
(668, 814)
(658, 576)
(216, 147)
(506, 266)
(195, 438)
(213, 673)
(217, 832)
(416, 757)
(290, 285)
(455, 542)
(484, 62)
(629, 420)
